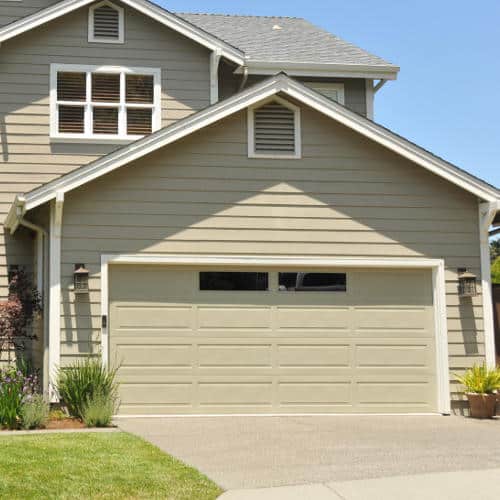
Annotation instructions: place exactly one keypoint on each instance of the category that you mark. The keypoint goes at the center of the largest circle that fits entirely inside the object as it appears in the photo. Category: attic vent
(275, 130)
(106, 23)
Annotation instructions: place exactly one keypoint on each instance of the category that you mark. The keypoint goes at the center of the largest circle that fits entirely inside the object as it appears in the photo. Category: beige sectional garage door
(187, 351)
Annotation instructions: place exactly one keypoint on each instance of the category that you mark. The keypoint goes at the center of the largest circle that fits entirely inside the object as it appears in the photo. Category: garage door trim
(438, 285)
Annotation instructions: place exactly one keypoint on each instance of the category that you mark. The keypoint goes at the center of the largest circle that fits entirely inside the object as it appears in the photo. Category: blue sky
(447, 97)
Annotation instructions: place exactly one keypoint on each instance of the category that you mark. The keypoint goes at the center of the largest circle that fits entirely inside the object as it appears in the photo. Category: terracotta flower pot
(482, 405)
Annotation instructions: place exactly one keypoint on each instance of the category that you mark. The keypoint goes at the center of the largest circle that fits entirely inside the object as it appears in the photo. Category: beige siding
(13, 10)
(346, 197)
(27, 156)
(354, 88)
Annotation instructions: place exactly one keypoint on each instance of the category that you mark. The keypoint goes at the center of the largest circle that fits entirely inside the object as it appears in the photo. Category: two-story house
(206, 201)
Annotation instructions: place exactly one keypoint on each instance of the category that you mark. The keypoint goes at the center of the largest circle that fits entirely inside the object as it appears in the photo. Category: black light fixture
(466, 283)
(81, 279)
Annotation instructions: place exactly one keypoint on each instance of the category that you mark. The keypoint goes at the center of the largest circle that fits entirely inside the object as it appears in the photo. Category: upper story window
(104, 103)
(106, 24)
(334, 91)
(274, 130)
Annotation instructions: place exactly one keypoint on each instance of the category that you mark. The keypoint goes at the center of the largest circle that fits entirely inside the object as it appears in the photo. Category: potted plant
(481, 386)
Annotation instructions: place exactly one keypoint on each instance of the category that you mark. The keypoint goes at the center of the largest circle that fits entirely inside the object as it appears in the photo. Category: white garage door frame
(435, 265)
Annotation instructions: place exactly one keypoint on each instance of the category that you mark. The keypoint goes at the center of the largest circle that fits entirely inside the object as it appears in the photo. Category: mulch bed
(66, 423)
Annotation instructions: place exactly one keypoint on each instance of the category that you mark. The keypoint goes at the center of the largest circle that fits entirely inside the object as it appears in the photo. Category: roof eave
(147, 8)
(376, 72)
(16, 212)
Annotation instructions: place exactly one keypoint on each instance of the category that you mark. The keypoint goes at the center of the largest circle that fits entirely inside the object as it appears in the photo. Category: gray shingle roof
(283, 39)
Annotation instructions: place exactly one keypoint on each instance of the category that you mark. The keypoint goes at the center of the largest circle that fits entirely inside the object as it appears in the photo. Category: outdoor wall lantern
(466, 283)
(81, 279)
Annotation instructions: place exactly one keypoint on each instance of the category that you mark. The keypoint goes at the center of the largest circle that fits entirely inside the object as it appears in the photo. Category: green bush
(495, 272)
(34, 412)
(480, 379)
(98, 411)
(15, 388)
(83, 381)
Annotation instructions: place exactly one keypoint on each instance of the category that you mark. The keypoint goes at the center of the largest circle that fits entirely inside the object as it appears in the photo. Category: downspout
(244, 78)
(42, 241)
(487, 213)
(214, 76)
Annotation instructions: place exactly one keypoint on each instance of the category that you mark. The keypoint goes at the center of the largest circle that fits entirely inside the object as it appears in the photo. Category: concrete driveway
(258, 452)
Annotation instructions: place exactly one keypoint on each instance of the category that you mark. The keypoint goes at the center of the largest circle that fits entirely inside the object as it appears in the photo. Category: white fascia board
(374, 72)
(162, 16)
(280, 83)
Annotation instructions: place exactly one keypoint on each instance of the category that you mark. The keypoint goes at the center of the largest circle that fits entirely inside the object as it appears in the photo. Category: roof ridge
(220, 14)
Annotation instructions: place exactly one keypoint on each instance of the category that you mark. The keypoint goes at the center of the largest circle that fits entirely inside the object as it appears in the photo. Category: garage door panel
(321, 355)
(235, 393)
(312, 394)
(154, 355)
(393, 393)
(220, 355)
(185, 351)
(164, 317)
(224, 317)
(390, 318)
(309, 318)
(392, 287)
(393, 355)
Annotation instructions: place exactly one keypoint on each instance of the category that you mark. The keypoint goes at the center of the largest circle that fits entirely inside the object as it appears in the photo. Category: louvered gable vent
(106, 23)
(274, 130)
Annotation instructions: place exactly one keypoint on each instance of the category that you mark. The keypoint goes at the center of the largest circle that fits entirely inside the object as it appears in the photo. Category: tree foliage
(495, 272)
(494, 250)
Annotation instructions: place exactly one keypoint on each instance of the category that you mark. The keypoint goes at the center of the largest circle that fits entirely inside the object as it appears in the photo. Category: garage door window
(234, 281)
(312, 282)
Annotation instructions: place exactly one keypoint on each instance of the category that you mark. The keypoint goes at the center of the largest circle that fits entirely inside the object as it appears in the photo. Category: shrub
(480, 379)
(34, 412)
(82, 381)
(98, 411)
(17, 314)
(15, 388)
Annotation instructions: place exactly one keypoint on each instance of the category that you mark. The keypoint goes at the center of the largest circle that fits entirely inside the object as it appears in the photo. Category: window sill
(94, 140)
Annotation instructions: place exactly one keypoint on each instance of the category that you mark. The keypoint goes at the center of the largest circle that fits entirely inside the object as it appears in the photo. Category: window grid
(122, 105)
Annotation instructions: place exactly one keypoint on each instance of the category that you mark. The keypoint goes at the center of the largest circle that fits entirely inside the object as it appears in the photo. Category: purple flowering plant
(16, 388)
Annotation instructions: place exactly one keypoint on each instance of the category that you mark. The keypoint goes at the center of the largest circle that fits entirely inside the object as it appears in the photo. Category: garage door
(213, 341)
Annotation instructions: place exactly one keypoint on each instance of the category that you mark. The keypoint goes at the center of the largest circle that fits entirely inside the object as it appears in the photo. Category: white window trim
(251, 130)
(319, 86)
(436, 266)
(88, 136)
(121, 24)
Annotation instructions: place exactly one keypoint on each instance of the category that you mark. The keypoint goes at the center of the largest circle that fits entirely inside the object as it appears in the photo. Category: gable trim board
(275, 85)
(437, 267)
(149, 9)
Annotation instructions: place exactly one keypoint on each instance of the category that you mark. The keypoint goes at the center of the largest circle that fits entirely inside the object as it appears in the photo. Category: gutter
(291, 68)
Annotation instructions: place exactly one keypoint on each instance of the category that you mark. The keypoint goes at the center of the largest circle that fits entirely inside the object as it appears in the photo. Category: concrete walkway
(468, 485)
(261, 452)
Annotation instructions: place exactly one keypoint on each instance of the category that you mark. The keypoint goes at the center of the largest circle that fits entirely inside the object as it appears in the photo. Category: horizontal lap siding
(27, 156)
(203, 195)
(354, 88)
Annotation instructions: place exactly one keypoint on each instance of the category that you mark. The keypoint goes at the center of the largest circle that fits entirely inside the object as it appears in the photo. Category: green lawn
(112, 465)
